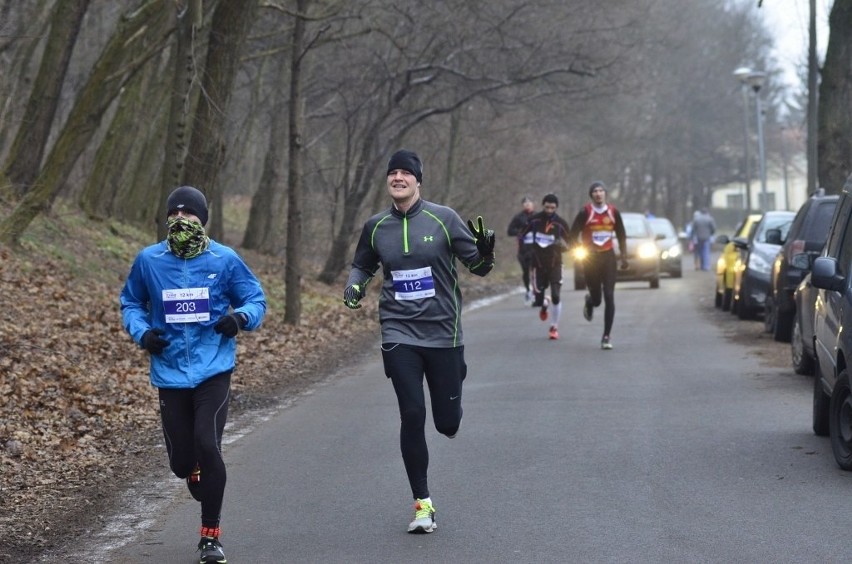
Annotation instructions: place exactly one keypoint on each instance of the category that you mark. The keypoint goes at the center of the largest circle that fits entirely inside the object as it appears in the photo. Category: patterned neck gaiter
(186, 239)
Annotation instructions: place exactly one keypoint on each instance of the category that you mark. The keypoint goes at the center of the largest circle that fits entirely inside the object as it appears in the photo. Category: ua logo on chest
(428, 238)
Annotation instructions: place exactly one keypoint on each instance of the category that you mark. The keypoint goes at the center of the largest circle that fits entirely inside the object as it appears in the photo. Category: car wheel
(803, 363)
(840, 421)
(727, 298)
(655, 282)
(677, 273)
(783, 326)
(821, 405)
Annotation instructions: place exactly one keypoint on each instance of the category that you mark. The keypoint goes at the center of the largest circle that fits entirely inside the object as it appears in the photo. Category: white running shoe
(424, 517)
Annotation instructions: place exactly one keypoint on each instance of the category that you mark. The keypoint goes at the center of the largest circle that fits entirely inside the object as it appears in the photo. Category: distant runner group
(542, 239)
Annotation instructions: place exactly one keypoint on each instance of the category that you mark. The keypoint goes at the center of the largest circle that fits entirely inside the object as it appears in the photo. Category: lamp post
(756, 80)
(741, 74)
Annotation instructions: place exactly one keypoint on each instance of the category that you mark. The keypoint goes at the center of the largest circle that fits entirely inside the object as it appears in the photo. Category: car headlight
(672, 252)
(759, 264)
(580, 253)
(647, 250)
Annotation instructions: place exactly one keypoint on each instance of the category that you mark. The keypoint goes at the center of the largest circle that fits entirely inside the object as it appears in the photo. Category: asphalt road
(680, 445)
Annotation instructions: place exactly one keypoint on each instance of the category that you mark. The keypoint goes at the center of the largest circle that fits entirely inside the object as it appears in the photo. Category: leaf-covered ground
(78, 412)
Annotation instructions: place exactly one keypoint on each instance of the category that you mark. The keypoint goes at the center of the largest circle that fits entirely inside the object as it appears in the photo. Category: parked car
(671, 251)
(643, 257)
(807, 235)
(728, 259)
(802, 339)
(831, 274)
(754, 264)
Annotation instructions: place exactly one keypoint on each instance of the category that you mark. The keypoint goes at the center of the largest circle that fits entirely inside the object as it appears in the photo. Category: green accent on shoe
(424, 517)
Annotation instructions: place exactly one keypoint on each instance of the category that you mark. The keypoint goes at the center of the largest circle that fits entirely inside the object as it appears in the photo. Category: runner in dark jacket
(417, 244)
(550, 236)
(518, 229)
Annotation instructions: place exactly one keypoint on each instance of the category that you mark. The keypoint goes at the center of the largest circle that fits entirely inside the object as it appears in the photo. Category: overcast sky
(788, 19)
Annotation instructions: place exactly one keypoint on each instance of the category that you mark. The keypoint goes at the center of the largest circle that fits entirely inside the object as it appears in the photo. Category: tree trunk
(293, 259)
(834, 146)
(110, 74)
(179, 104)
(261, 230)
(24, 159)
(231, 22)
(119, 151)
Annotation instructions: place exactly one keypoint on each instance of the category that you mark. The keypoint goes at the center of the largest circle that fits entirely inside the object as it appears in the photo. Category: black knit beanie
(595, 184)
(406, 160)
(190, 200)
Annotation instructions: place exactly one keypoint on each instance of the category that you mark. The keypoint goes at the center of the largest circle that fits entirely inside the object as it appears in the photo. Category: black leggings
(193, 421)
(444, 369)
(544, 276)
(600, 270)
(525, 259)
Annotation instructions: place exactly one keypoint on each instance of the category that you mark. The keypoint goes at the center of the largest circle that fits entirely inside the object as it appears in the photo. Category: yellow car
(726, 265)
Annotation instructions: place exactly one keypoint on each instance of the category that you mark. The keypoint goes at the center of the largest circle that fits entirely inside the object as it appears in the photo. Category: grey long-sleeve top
(420, 302)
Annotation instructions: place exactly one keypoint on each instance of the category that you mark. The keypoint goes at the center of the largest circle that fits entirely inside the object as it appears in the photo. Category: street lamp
(742, 74)
(756, 80)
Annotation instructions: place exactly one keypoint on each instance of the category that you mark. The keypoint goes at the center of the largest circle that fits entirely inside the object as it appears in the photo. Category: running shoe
(193, 483)
(605, 343)
(211, 551)
(424, 517)
(588, 310)
(553, 334)
(528, 297)
(543, 313)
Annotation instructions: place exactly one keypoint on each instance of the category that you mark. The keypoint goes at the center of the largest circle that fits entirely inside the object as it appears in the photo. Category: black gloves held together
(484, 237)
(231, 324)
(152, 342)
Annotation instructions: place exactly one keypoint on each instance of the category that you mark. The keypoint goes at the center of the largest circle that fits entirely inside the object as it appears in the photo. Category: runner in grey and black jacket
(417, 243)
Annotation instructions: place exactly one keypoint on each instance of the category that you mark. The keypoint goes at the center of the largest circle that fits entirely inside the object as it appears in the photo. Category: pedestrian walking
(703, 229)
(598, 226)
(417, 244)
(185, 301)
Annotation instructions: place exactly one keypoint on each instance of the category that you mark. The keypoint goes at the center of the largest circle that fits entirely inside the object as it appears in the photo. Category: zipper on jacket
(405, 234)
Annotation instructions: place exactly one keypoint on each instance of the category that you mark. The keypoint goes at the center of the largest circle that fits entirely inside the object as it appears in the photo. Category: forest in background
(297, 104)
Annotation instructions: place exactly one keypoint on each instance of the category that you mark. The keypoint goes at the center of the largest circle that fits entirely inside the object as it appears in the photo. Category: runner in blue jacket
(417, 244)
(176, 304)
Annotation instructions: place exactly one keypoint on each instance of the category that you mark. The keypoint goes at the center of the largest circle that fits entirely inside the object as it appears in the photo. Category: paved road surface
(677, 446)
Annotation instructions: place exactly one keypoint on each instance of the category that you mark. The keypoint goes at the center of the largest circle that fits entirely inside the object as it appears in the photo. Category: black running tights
(193, 421)
(444, 369)
(600, 271)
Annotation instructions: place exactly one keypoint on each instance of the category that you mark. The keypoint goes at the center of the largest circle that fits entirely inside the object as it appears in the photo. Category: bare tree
(115, 66)
(834, 145)
(231, 22)
(24, 159)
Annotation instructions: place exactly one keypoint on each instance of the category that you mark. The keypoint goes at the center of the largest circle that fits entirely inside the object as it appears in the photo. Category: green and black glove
(352, 295)
(484, 237)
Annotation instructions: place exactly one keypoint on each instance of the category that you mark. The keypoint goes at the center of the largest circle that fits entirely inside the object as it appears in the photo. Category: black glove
(152, 342)
(231, 324)
(624, 264)
(484, 237)
(352, 295)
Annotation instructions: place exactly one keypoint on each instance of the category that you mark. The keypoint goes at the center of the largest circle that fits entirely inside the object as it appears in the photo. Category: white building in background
(785, 190)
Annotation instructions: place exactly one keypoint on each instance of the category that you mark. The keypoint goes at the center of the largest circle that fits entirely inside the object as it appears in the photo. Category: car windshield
(774, 221)
(635, 226)
(664, 227)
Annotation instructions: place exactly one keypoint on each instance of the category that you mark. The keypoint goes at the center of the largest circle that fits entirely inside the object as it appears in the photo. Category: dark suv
(832, 275)
(807, 235)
